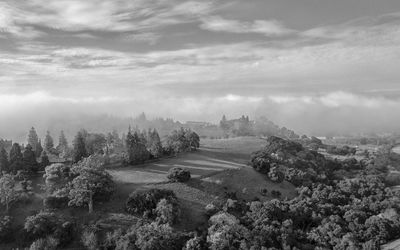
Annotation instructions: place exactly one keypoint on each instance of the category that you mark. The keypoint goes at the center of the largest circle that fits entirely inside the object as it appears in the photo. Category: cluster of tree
(178, 174)
(81, 184)
(289, 160)
(344, 150)
(18, 160)
(182, 140)
(143, 146)
(261, 126)
(351, 214)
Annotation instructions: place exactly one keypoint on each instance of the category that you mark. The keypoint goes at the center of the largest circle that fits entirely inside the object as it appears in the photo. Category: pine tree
(137, 152)
(44, 160)
(39, 149)
(154, 144)
(33, 139)
(16, 158)
(4, 164)
(79, 148)
(48, 142)
(29, 158)
(62, 142)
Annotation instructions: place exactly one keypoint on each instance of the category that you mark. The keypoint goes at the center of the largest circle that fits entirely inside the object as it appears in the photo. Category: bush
(276, 193)
(89, 240)
(48, 243)
(144, 202)
(178, 174)
(46, 224)
(155, 236)
(5, 228)
(55, 202)
(167, 212)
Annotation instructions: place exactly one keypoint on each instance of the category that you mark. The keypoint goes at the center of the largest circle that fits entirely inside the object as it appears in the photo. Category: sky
(317, 66)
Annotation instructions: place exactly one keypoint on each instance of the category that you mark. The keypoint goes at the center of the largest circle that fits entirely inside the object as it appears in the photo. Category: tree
(224, 124)
(4, 164)
(92, 184)
(137, 151)
(8, 190)
(29, 158)
(33, 139)
(154, 144)
(62, 142)
(48, 142)
(79, 147)
(44, 160)
(16, 158)
(57, 177)
(39, 149)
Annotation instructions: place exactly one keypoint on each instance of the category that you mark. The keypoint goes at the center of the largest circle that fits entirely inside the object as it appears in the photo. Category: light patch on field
(135, 176)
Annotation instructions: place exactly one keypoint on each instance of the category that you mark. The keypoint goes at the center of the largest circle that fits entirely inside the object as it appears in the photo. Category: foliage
(9, 192)
(6, 230)
(225, 232)
(16, 158)
(33, 139)
(44, 160)
(4, 164)
(144, 202)
(156, 236)
(136, 149)
(178, 174)
(48, 243)
(167, 211)
(91, 184)
(182, 140)
(79, 151)
(154, 145)
(57, 176)
(55, 202)
(48, 142)
(29, 159)
(90, 240)
(46, 224)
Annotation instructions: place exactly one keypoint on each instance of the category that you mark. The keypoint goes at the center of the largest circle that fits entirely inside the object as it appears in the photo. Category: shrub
(167, 212)
(178, 174)
(46, 224)
(55, 202)
(276, 193)
(89, 240)
(195, 243)
(155, 236)
(48, 243)
(276, 175)
(5, 228)
(144, 202)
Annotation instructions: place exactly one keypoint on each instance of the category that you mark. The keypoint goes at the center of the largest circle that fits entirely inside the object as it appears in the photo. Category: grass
(219, 166)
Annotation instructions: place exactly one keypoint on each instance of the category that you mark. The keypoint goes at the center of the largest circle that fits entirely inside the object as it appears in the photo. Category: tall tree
(137, 151)
(8, 190)
(39, 149)
(48, 142)
(4, 164)
(16, 158)
(29, 159)
(44, 160)
(79, 147)
(92, 184)
(154, 144)
(62, 142)
(33, 139)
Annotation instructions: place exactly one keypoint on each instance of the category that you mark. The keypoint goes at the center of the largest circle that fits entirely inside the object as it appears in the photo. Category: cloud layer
(199, 60)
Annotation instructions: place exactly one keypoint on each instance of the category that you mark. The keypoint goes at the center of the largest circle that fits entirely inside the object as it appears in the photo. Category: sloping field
(213, 156)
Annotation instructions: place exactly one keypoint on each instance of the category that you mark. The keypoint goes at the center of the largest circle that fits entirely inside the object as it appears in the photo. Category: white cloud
(265, 27)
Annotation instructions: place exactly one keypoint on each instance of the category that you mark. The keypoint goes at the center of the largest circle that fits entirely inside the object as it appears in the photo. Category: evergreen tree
(39, 149)
(16, 158)
(79, 148)
(4, 164)
(33, 139)
(137, 152)
(62, 142)
(154, 144)
(48, 142)
(29, 159)
(224, 124)
(44, 160)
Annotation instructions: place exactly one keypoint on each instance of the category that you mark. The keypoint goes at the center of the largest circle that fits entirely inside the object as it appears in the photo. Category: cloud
(265, 27)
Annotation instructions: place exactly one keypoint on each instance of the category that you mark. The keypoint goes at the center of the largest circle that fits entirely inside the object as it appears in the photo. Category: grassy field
(218, 167)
